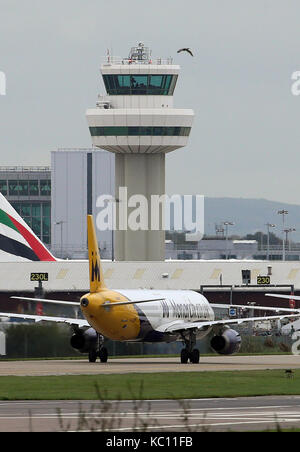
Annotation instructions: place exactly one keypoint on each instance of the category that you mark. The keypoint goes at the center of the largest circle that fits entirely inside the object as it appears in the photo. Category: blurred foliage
(50, 340)
(36, 341)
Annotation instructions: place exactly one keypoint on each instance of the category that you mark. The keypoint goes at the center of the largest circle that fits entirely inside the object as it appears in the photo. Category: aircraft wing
(186, 326)
(77, 303)
(287, 297)
(258, 308)
(43, 318)
(46, 300)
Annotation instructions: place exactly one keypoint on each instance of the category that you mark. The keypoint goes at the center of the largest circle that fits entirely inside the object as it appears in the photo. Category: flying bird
(185, 49)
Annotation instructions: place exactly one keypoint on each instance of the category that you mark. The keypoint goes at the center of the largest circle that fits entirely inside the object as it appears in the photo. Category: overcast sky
(246, 136)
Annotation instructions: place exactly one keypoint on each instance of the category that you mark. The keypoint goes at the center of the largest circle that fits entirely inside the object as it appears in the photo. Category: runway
(205, 415)
(145, 365)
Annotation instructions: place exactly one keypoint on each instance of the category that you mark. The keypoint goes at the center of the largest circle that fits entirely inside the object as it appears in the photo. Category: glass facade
(28, 190)
(45, 187)
(140, 131)
(38, 217)
(33, 188)
(25, 187)
(160, 85)
(3, 187)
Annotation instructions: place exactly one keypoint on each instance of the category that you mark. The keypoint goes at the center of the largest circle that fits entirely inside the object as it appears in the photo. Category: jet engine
(84, 340)
(227, 343)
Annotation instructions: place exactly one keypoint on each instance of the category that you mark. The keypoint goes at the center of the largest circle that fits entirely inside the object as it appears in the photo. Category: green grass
(151, 386)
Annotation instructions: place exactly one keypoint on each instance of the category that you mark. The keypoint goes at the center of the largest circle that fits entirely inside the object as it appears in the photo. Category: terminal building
(212, 248)
(221, 281)
(54, 202)
(78, 178)
(28, 189)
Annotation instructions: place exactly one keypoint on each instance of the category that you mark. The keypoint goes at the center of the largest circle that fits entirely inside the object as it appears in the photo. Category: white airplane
(127, 315)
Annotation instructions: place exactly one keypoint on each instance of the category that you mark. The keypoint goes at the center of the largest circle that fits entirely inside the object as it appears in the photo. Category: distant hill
(250, 215)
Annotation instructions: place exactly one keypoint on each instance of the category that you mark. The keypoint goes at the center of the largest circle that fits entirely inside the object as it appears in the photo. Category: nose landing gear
(99, 352)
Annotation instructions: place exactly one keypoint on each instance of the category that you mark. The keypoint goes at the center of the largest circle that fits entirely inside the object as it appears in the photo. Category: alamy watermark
(183, 213)
(295, 88)
(2, 84)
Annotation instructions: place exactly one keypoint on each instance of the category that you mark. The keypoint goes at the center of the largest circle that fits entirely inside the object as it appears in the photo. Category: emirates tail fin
(18, 242)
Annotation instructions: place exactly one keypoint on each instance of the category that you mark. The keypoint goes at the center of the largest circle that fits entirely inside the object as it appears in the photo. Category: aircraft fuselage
(145, 321)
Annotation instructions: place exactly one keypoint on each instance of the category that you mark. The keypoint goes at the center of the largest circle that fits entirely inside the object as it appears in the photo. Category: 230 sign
(39, 277)
(263, 280)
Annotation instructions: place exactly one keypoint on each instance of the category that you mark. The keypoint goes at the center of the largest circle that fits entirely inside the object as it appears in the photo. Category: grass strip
(179, 385)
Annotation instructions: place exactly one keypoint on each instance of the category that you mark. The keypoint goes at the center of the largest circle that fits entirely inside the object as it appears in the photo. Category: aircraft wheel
(92, 356)
(103, 355)
(184, 356)
(195, 356)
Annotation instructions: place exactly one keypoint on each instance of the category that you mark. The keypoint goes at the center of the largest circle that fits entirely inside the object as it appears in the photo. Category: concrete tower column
(143, 175)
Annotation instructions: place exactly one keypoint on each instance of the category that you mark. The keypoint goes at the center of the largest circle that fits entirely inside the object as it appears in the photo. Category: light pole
(287, 236)
(251, 314)
(269, 225)
(61, 223)
(226, 224)
(112, 201)
(219, 230)
(283, 213)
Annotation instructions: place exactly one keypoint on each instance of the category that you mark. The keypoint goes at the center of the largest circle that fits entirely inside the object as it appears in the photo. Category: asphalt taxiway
(147, 365)
(239, 414)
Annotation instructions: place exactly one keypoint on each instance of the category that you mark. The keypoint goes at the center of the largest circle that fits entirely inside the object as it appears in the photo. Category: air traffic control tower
(137, 121)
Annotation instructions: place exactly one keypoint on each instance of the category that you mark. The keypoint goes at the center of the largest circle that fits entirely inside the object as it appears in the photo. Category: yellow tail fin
(96, 274)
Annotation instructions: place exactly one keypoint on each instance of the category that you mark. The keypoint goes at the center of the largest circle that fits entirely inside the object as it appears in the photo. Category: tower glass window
(140, 131)
(161, 85)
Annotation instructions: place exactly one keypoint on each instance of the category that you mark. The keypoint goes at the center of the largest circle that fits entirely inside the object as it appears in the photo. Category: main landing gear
(189, 352)
(99, 352)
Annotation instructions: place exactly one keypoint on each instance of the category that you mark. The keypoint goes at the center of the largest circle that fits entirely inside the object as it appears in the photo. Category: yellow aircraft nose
(91, 305)
(117, 323)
